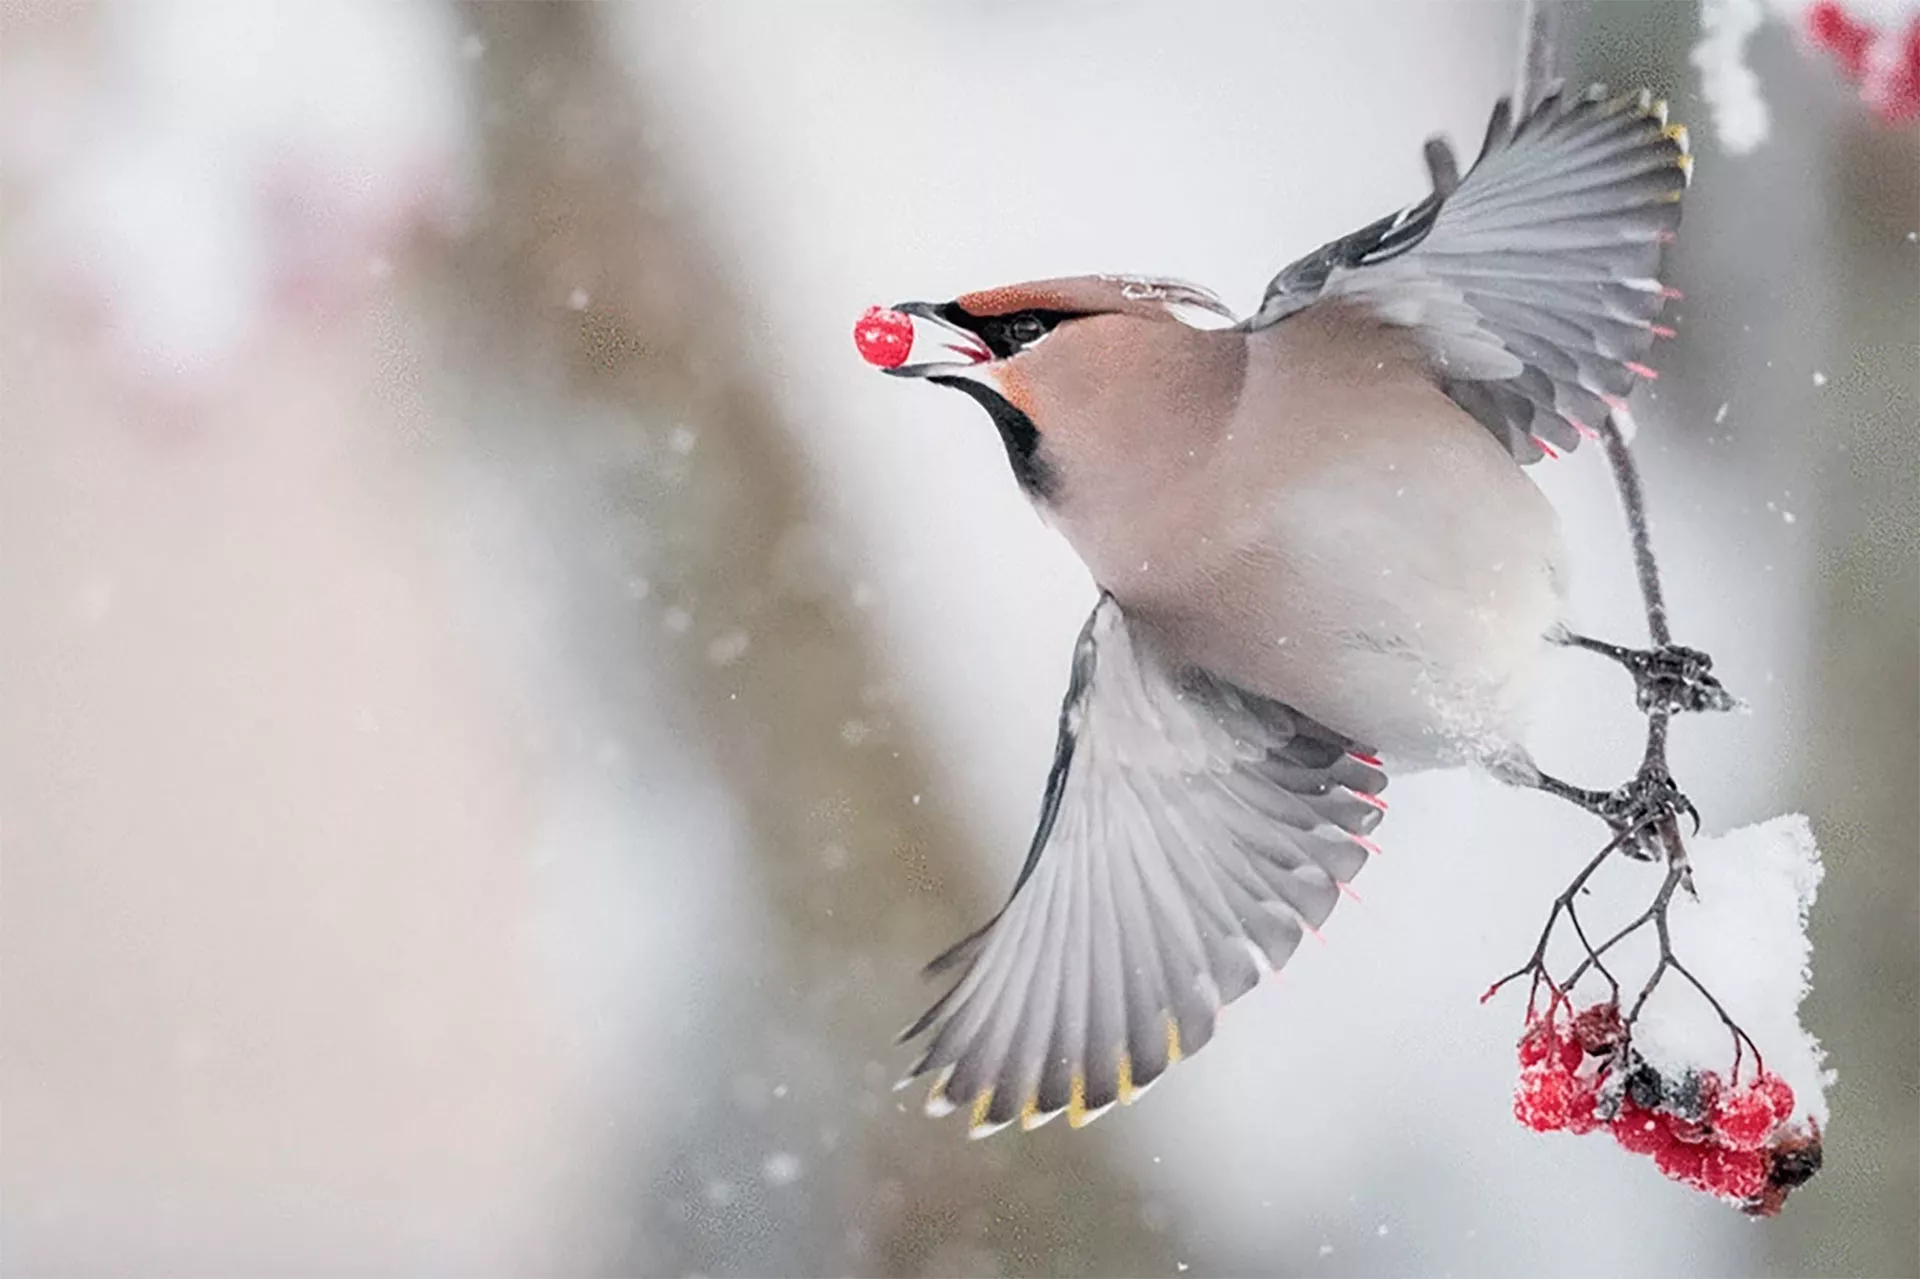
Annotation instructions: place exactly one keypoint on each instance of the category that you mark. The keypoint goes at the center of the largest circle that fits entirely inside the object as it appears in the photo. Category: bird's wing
(1532, 281)
(1190, 833)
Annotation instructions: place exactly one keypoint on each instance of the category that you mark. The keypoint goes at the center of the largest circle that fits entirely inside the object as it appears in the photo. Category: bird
(1318, 559)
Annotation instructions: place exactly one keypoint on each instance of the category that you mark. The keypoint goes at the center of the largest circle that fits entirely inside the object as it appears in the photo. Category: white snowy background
(396, 871)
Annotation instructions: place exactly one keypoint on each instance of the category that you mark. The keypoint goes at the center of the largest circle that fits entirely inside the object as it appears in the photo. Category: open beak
(939, 345)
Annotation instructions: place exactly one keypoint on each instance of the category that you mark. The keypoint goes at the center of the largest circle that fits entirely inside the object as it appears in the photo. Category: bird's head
(1023, 351)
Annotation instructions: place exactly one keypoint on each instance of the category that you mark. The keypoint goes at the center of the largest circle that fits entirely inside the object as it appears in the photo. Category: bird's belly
(1390, 609)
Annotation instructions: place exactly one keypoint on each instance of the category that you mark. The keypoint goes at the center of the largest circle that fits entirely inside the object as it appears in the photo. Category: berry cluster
(1579, 1074)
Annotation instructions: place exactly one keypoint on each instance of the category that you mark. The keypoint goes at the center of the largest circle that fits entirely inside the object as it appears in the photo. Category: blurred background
(497, 702)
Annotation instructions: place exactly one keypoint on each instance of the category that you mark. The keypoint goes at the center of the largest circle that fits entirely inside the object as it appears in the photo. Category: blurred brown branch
(580, 200)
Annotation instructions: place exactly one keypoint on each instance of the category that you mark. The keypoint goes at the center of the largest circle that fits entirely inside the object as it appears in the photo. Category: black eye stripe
(1006, 334)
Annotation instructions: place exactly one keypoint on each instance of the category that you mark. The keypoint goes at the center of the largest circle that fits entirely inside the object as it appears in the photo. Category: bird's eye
(1026, 328)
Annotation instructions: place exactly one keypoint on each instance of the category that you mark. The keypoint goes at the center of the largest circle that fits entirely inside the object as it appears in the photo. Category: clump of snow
(1731, 89)
(781, 1168)
(729, 648)
(1745, 938)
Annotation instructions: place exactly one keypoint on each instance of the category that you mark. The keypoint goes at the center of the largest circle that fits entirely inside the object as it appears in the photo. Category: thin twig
(1633, 500)
(1538, 73)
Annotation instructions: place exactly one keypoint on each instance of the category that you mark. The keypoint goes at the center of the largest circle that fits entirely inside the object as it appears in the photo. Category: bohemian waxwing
(1315, 551)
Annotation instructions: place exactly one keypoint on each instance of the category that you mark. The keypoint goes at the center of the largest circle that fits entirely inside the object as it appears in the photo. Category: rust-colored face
(991, 326)
(992, 346)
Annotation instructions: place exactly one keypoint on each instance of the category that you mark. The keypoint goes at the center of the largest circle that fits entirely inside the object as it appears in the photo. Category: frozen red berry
(1639, 1130)
(1682, 1161)
(1598, 1029)
(1536, 1042)
(884, 338)
(1744, 1118)
(1543, 1041)
(1736, 1174)
(1544, 1098)
(1778, 1094)
(1691, 1131)
(1583, 1112)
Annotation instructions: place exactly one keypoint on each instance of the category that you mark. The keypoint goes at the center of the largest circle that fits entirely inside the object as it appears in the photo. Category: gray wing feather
(1532, 283)
(1190, 835)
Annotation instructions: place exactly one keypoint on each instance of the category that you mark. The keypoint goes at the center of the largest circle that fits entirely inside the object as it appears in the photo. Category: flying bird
(1318, 558)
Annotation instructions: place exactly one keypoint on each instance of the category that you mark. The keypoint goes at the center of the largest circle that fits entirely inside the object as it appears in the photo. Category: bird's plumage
(1533, 285)
(1190, 835)
(1314, 547)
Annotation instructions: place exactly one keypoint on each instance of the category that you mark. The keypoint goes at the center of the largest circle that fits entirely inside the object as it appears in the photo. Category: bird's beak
(939, 345)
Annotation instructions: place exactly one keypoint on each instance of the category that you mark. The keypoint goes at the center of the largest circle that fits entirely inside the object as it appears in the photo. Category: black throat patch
(1017, 432)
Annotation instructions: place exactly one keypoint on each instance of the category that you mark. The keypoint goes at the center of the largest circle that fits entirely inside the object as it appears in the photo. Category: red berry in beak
(884, 338)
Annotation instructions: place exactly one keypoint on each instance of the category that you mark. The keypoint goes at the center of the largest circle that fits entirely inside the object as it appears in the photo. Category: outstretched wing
(1532, 283)
(1190, 833)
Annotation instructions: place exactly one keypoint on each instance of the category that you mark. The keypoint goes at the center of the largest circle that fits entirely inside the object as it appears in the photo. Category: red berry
(1537, 1041)
(1691, 1131)
(1778, 1095)
(1737, 1174)
(1744, 1119)
(1639, 1130)
(1598, 1029)
(1681, 1161)
(884, 338)
(1542, 1041)
(1544, 1098)
(1583, 1111)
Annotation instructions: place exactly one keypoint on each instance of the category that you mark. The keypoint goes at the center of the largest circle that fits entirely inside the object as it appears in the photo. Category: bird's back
(1344, 538)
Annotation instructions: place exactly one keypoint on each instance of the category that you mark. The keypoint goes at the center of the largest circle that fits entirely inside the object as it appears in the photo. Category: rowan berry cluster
(1580, 1074)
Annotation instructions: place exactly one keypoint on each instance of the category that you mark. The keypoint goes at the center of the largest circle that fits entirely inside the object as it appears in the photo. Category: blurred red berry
(1830, 27)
